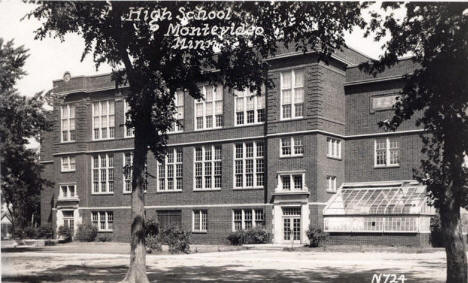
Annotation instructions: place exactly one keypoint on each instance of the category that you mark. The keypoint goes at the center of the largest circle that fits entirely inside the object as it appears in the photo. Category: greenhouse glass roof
(402, 200)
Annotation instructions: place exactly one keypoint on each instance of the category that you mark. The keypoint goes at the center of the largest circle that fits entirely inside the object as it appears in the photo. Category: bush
(153, 244)
(177, 239)
(45, 232)
(436, 236)
(30, 232)
(251, 236)
(18, 233)
(316, 236)
(86, 233)
(65, 233)
(151, 227)
(104, 238)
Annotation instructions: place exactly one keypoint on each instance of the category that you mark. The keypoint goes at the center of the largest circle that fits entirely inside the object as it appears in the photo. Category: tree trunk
(137, 269)
(453, 242)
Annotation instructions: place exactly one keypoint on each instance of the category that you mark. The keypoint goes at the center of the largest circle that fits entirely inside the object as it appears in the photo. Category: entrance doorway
(69, 220)
(292, 224)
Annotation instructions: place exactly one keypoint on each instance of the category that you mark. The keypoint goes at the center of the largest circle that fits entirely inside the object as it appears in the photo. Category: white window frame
(199, 213)
(213, 161)
(176, 180)
(106, 220)
(69, 121)
(291, 182)
(331, 184)
(257, 101)
(333, 148)
(388, 150)
(109, 182)
(293, 94)
(68, 191)
(108, 127)
(254, 218)
(124, 178)
(293, 145)
(244, 159)
(126, 129)
(213, 115)
(67, 164)
(179, 114)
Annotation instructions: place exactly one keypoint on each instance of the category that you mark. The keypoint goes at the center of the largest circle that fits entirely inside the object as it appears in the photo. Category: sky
(50, 58)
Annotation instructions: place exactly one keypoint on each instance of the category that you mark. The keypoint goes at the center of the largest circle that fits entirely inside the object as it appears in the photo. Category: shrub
(177, 239)
(316, 236)
(30, 232)
(436, 237)
(251, 236)
(151, 227)
(86, 233)
(153, 243)
(65, 233)
(18, 233)
(104, 238)
(45, 232)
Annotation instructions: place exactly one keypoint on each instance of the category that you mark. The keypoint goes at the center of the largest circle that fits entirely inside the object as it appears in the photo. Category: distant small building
(6, 226)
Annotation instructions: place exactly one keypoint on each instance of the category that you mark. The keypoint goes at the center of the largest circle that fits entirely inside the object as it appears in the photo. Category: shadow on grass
(227, 273)
(22, 249)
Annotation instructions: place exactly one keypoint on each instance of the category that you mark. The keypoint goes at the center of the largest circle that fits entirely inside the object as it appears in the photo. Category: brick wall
(395, 239)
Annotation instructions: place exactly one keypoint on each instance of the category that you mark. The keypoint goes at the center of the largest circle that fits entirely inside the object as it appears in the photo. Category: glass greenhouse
(385, 209)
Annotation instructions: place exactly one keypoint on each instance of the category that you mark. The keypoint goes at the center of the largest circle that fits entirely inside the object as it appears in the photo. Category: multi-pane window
(291, 146)
(384, 102)
(103, 220)
(170, 171)
(244, 219)
(103, 120)
(200, 221)
(67, 191)
(291, 182)
(68, 123)
(387, 152)
(68, 164)
(127, 172)
(292, 94)
(250, 108)
(334, 148)
(128, 132)
(249, 165)
(331, 184)
(178, 125)
(208, 169)
(103, 173)
(209, 111)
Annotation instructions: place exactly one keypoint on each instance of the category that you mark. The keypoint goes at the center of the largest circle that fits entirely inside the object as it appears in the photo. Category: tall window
(103, 120)
(127, 176)
(334, 148)
(103, 173)
(292, 94)
(68, 191)
(244, 219)
(209, 111)
(68, 123)
(292, 146)
(387, 152)
(178, 126)
(331, 184)
(200, 221)
(249, 165)
(208, 169)
(250, 108)
(128, 132)
(291, 182)
(170, 172)
(103, 220)
(68, 164)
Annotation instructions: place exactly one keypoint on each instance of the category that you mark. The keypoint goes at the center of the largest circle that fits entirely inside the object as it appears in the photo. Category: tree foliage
(436, 36)
(21, 118)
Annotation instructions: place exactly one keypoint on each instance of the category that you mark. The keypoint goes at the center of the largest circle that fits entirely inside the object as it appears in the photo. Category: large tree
(21, 118)
(154, 70)
(436, 36)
